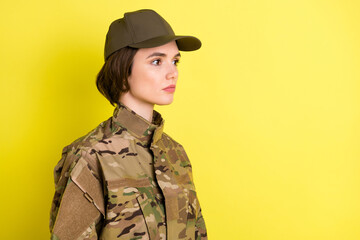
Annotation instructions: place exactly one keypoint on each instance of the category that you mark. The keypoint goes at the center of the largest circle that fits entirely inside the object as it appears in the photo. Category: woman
(127, 179)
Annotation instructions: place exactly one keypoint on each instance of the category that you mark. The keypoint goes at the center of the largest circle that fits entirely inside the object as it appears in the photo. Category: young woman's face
(154, 75)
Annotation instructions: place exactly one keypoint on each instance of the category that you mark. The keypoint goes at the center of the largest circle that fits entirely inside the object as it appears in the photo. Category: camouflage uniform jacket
(126, 179)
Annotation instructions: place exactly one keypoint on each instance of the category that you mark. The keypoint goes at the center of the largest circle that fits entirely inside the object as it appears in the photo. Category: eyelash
(177, 61)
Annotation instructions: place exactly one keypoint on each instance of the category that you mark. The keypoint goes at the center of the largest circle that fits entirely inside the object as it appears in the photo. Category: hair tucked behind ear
(111, 81)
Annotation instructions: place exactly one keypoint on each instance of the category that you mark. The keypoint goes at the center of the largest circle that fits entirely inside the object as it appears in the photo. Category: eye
(156, 62)
(176, 62)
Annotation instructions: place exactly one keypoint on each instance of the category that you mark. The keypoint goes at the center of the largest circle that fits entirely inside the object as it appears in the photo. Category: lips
(170, 88)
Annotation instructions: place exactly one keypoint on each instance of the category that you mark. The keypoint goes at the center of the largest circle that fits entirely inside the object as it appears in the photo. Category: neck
(141, 108)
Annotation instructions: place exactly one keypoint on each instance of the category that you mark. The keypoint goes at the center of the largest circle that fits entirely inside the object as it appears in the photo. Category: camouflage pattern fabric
(126, 179)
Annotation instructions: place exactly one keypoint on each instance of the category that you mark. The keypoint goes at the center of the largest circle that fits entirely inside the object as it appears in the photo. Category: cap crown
(143, 29)
(146, 24)
(135, 27)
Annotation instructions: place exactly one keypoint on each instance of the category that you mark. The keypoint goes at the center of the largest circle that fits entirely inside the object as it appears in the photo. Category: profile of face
(153, 75)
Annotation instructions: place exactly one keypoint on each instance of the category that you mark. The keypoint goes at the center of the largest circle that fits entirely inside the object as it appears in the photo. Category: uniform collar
(145, 131)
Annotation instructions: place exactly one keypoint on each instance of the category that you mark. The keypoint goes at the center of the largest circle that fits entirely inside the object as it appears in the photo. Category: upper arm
(78, 202)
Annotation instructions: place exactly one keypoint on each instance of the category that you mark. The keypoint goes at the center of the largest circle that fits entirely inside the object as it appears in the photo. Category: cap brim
(184, 43)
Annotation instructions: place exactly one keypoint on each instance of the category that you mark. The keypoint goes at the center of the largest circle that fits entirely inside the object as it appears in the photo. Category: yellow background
(268, 110)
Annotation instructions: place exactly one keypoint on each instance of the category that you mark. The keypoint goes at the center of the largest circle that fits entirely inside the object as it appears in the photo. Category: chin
(166, 101)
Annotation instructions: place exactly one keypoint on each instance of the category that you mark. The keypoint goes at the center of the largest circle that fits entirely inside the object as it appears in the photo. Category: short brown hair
(112, 80)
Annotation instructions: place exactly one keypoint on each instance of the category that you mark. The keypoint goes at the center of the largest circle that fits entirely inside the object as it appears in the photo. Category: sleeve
(78, 205)
(200, 228)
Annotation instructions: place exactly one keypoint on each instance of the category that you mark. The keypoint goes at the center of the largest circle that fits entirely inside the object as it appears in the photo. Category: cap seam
(132, 32)
(163, 24)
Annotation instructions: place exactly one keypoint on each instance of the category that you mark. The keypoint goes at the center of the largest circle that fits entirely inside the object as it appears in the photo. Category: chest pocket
(134, 213)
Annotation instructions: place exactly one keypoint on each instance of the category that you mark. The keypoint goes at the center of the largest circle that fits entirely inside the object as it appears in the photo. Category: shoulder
(81, 148)
(93, 137)
(169, 141)
(174, 148)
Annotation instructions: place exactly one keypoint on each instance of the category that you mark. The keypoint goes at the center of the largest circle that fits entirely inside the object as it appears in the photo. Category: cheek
(143, 80)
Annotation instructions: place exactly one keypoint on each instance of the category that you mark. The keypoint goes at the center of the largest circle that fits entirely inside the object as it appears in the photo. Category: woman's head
(145, 75)
(131, 42)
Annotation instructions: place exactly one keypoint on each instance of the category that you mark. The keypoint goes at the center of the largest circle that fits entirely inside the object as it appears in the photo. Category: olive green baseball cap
(144, 29)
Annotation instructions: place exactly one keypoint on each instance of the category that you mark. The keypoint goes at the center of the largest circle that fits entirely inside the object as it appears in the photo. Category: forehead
(170, 49)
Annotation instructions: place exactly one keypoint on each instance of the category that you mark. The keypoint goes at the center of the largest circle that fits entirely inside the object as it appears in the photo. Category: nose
(172, 73)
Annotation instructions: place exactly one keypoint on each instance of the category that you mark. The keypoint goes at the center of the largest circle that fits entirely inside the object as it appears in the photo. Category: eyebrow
(159, 54)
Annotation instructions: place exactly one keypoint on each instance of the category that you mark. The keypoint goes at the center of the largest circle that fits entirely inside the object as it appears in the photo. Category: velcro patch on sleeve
(75, 215)
(89, 184)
